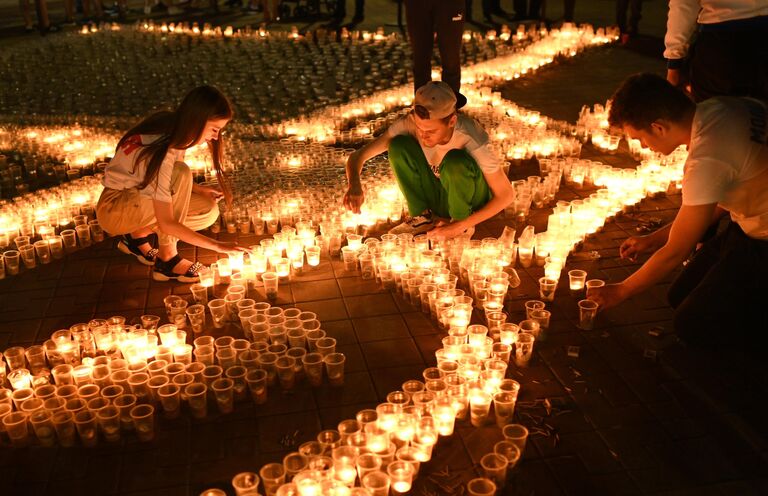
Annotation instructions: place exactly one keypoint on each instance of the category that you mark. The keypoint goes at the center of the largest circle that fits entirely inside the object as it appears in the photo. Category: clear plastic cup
(197, 399)
(516, 434)
(377, 483)
(109, 423)
(87, 428)
(313, 368)
(494, 467)
(481, 487)
(143, 417)
(223, 391)
(257, 384)
(587, 314)
(170, 399)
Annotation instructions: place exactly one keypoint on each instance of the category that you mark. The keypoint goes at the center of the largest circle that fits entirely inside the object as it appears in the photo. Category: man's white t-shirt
(467, 135)
(120, 173)
(727, 161)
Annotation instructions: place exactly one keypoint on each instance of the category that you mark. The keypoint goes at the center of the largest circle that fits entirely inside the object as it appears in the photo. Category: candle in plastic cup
(109, 423)
(245, 483)
(524, 349)
(313, 368)
(594, 283)
(144, 422)
(587, 314)
(576, 280)
(349, 257)
(257, 383)
(125, 404)
(531, 305)
(272, 476)
(494, 467)
(197, 399)
(196, 316)
(87, 428)
(170, 400)
(504, 408)
(508, 450)
(286, 372)
(43, 427)
(479, 406)
(547, 288)
(223, 391)
(400, 476)
(334, 367)
(64, 425)
(42, 248)
(325, 346)
(541, 317)
(377, 483)
(270, 280)
(481, 487)
(313, 255)
(218, 308)
(293, 463)
(313, 337)
(366, 463)
(516, 434)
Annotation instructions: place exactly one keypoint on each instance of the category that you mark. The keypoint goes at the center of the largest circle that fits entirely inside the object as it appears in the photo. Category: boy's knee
(456, 164)
(399, 145)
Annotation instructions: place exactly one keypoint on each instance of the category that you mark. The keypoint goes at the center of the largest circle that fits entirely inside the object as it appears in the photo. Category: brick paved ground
(633, 414)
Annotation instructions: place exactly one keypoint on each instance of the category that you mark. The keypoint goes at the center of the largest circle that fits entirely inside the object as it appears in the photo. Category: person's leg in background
(420, 23)
(359, 12)
(449, 24)
(26, 13)
(569, 9)
(635, 14)
(466, 189)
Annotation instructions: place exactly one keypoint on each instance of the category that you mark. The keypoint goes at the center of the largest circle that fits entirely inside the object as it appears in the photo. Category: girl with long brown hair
(149, 189)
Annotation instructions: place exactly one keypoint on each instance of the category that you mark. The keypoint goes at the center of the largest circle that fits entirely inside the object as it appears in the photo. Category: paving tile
(315, 290)
(358, 387)
(419, 324)
(370, 305)
(391, 379)
(326, 310)
(272, 429)
(380, 327)
(356, 286)
(341, 330)
(391, 353)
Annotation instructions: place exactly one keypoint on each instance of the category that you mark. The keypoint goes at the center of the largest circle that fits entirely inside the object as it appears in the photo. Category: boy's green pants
(460, 190)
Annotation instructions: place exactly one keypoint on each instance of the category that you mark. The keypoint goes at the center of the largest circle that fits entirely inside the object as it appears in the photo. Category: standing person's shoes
(415, 225)
(130, 246)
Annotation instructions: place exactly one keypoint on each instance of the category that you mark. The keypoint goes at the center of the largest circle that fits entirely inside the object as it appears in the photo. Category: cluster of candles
(107, 376)
(381, 449)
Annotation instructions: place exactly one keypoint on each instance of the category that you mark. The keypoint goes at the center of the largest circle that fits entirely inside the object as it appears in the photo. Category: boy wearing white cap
(449, 177)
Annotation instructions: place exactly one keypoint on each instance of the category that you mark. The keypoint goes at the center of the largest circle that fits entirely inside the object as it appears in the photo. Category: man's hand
(447, 230)
(675, 78)
(354, 198)
(638, 245)
(607, 296)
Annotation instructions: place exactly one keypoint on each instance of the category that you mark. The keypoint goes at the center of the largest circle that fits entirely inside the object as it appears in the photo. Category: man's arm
(354, 197)
(689, 226)
(502, 195)
(681, 23)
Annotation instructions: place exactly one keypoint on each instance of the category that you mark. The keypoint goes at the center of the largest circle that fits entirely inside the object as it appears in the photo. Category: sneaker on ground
(415, 225)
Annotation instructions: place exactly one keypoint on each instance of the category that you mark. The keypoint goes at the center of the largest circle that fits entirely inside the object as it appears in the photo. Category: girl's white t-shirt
(120, 173)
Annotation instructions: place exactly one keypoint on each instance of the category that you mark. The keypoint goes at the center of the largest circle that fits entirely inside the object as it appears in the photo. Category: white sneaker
(415, 225)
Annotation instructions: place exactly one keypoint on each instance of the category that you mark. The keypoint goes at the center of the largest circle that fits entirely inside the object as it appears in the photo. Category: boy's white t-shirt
(120, 173)
(467, 135)
(727, 161)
